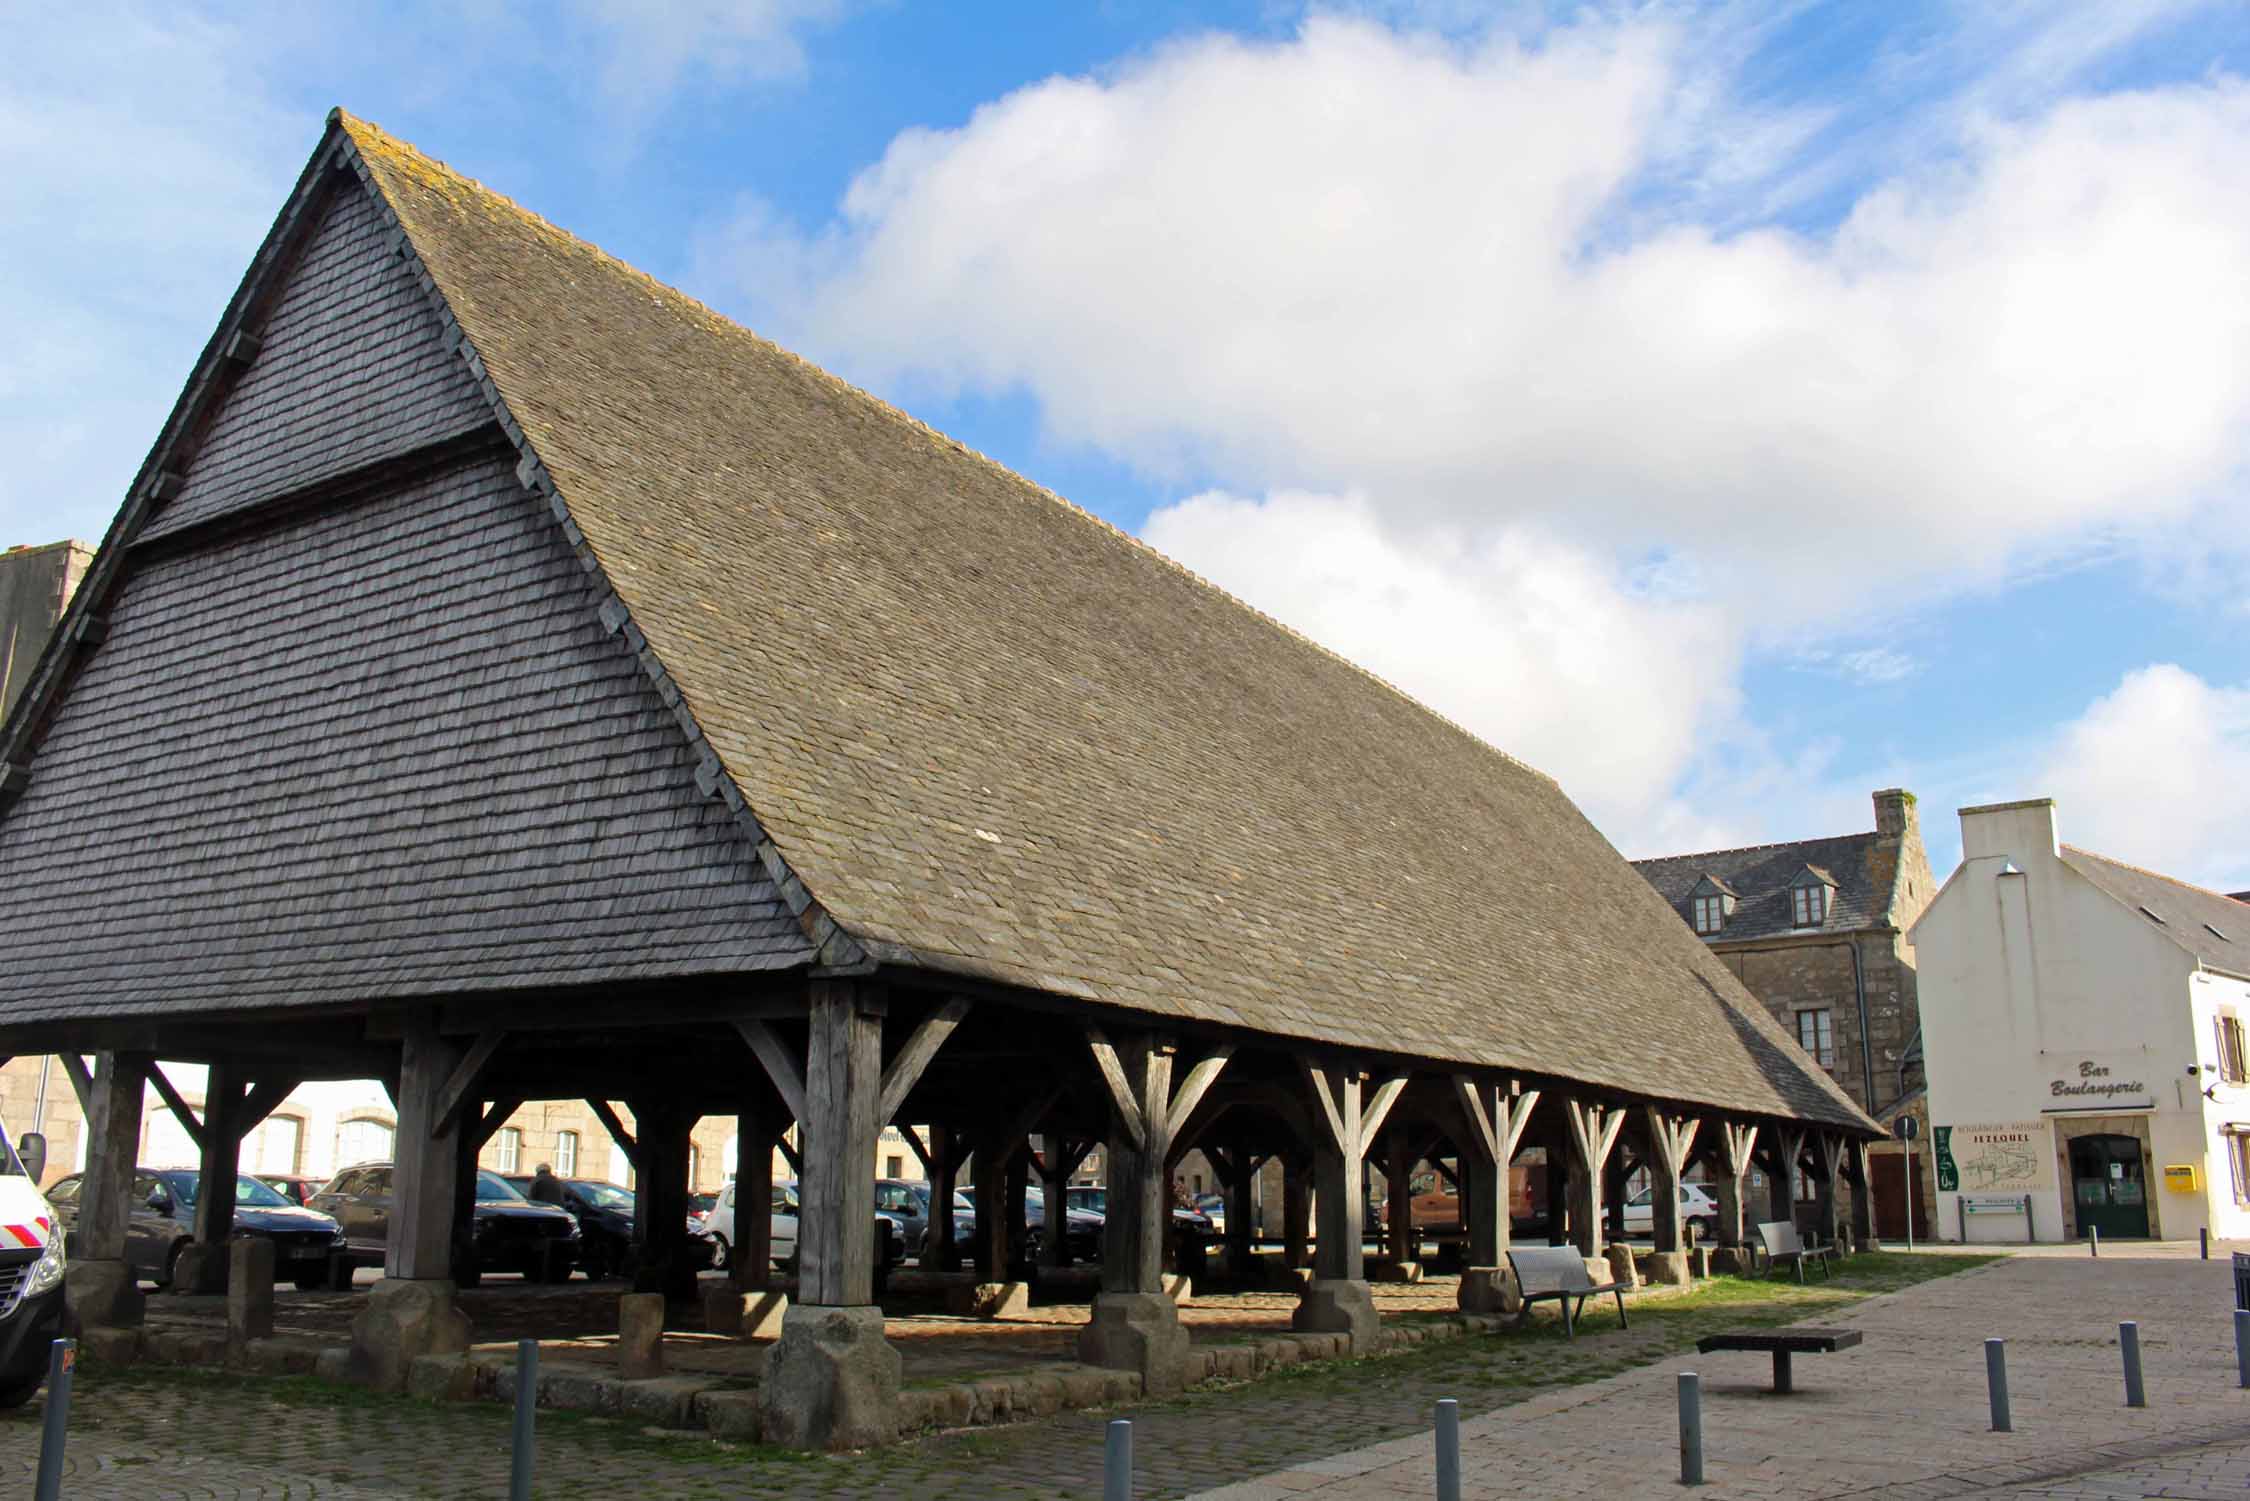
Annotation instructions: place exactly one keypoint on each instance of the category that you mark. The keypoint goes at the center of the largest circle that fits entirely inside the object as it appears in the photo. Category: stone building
(1817, 930)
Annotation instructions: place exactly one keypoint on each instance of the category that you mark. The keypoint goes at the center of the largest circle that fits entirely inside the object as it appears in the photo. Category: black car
(1082, 1232)
(510, 1233)
(605, 1225)
(163, 1224)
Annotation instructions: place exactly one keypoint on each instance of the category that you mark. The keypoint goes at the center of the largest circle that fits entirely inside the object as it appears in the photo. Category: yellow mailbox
(2182, 1177)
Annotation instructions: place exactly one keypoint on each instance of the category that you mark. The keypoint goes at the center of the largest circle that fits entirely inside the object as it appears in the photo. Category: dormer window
(1710, 904)
(1809, 897)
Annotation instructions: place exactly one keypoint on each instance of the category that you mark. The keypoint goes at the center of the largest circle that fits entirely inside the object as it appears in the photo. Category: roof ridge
(408, 152)
(2154, 875)
(1747, 849)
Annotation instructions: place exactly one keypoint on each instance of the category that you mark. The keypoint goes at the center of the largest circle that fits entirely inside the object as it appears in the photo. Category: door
(2109, 1185)
(1888, 1186)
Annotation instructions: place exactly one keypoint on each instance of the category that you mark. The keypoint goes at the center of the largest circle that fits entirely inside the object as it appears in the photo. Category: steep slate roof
(1863, 871)
(2212, 927)
(992, 735)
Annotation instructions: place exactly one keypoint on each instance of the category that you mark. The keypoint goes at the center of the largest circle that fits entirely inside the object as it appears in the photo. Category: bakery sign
(2090, 1084)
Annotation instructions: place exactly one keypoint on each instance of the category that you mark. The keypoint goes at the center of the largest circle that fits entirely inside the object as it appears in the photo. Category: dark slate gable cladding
(350, 370)
(2214, 928)
(994, 737)
(1760, 877)
(383, 750)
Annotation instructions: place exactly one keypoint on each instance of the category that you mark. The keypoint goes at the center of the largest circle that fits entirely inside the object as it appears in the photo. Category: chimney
(36, 583)
(1895, 818)
(2015, 831)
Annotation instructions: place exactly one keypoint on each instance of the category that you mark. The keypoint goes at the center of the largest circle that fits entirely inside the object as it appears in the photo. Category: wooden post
(1492, 1125)
(1296, 1213)
(755, 1130)
(989, 1171)
(1592, 1130)
(101, 1290)
(428, 1155)
(1671, 1137)
(1399, 1198)
(664, 1131)
(1016, 1206)
(1863, 1201)
(1738, 1148)
(221, 1161)
(1557, 1171)
(843, 1082)
(1345, 1121)
(1138, 1216)
(1059, 1157)
(1829, 1147)
(1240, 1170)
(1614, 1177)
(945, 1169)
(1788, 1146)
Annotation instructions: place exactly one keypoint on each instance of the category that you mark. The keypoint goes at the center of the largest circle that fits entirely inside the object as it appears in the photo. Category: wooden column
(1557, 1171)
(1829, 1149)
(945, 1170)
(756, 1129)
(219, 1163)
(664, 1131)
(1671, 1137)
(988, 1175)
(842, 1089)
(1398, 1204)
(1614, 1178)
(1138, 1217)
(1738, 1147)
(1296, 1212)
(1058, 1158)
(427, 1168)
(1492, 1124)
(1788, 1146)
(1238, 1170)
(1592, 1131)
(113, 1144)
(1016, 1205)
(1345, 1121)
(1863, 1202)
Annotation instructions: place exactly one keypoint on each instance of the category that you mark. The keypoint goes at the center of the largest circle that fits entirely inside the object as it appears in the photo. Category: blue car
(163, 1224)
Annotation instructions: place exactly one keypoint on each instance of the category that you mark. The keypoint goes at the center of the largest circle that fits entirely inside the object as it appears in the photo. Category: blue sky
(1730, 409)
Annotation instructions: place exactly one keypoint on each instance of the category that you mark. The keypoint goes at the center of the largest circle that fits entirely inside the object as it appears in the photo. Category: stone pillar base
(989, 1300)
(1666, 1268)
(1137, 1332)
(831, 1380)
(250, 1266)
(403, 1320)
(1621, 1268)
(640, 1335)
(101, 1295)
(1734, 1261)
(1398, 1271)
(1339, 1306)
(1490, 1289)
(755, 1314)
(200, 1269)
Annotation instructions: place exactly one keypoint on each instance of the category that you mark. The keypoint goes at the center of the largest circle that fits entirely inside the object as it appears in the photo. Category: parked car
(1084, 1227)
(699, 1207)
(1213, 1207)
(908, 1205)
(295, 1187)
(1094, 1199)
(605, 1225)
(509, 1233)
(162, 1224)
(1697, 1208)
(31, 1272)
(890, 1240)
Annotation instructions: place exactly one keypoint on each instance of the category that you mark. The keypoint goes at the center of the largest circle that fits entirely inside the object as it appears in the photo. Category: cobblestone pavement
(1902, 1415)
(155, 1432)
(2202, 1474)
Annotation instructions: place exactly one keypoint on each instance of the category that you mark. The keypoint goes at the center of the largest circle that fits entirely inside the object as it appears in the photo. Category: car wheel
(172, 1264)
(720, 1252)
(20, 1392)
(1707, 1228)
(311, 1282)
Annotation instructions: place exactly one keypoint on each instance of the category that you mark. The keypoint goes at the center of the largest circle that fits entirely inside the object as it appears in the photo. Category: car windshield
(1639, 1200)
(492, 1186)
(247, 1190)
(603, 1195)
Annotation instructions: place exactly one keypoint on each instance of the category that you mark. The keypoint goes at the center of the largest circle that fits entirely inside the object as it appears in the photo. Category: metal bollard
(1448, 1450)
(1996, 1381)
(1117, 1462)
(2203, 1239)
(2093, 1240)
(2242, 1347)
(527, 1403)
(62, 1358)
(2129, 1342)
(1691, 1429)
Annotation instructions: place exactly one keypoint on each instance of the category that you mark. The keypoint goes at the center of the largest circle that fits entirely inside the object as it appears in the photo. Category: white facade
(2071, 1025)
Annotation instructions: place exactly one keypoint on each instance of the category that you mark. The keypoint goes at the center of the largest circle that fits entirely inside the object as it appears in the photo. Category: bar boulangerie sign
(2096, 1083)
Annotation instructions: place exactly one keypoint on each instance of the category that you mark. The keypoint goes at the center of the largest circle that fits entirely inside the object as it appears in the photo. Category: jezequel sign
(2089, 1084)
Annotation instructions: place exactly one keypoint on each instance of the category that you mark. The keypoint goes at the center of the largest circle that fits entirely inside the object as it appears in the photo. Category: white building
(2083, 1026)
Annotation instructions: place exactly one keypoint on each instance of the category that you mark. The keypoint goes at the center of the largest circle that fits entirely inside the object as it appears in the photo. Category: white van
(31, 1271)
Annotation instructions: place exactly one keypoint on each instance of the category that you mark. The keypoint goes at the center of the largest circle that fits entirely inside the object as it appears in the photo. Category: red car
(294, 1187)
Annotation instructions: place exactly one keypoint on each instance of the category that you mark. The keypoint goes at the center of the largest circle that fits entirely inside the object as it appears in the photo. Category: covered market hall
(511, 680)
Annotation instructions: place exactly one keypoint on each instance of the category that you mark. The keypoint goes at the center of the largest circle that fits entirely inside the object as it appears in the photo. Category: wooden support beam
(264, 1098)
(189, 1121)
(81, 1081)
(921, 1151)
(1130, 1116)
(489, 1123)
(836, 1203)
(617, 1132)
(781, 1064)
(1738, 1145)
(113, 1139)
(220, 1163)
(1590, 1128)
(790, 1155)
(1377, 1108)
(1201, 1075)
(464, 1078)
(905, 1070)
(1671, 1137)
(428, 1168)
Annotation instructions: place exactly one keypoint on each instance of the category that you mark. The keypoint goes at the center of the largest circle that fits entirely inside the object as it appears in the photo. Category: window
(894, 1167)
(511, 1148)
(1807, 1189)
(694, 1165)
(1710, 914)
(2238, 1160)
(2234, 1065)
(1808, 905)
(272, 1147)
(566, 1154)
(1816, 1034)
(363, 1140)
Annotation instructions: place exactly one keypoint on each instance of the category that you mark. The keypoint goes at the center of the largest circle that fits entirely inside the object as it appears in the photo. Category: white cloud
(2157, 773)
(1539, 647)
(649, 46)
(1360, 261)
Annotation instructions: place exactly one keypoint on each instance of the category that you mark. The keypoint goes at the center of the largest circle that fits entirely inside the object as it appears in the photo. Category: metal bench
(1558, 1273)
(1783, 1243)
(1783, 1343)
